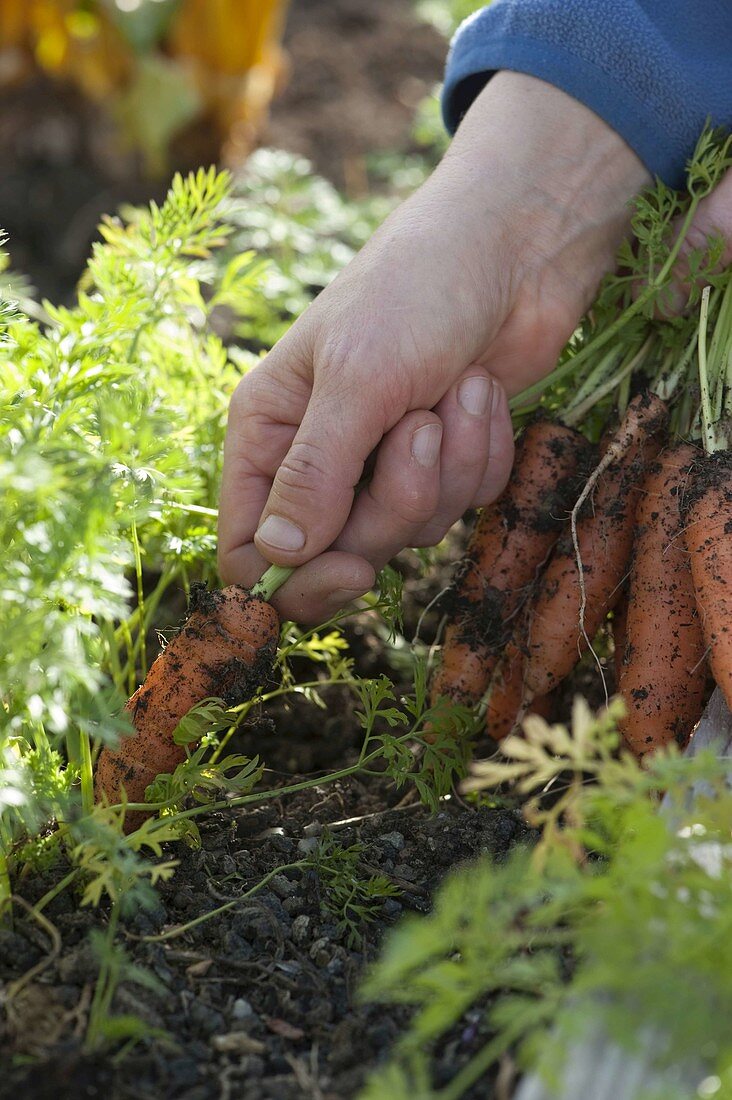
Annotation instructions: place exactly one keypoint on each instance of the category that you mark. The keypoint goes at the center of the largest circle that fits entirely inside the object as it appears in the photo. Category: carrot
(563, 621)
(509, 544)
(708, 530)
(620, 633)
(663, 675)
(505, 701)
(225, 649)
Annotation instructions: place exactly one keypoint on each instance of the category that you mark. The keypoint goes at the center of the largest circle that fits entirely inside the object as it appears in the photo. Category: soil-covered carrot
(620, 633)
(504, 709)
(225, 649)
(562, 619)
(664, 673)
(708, 530)
(509, 544)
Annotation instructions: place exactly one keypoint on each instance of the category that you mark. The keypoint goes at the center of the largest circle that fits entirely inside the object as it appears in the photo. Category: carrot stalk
(664, 673)
(511, 540)
(271, 580)
(583, 581)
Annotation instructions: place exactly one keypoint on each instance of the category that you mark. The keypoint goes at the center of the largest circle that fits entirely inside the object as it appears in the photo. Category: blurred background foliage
(101, 100)
(158, 65)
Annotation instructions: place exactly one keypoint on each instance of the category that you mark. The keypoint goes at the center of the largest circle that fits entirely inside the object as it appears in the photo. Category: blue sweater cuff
(656, 95)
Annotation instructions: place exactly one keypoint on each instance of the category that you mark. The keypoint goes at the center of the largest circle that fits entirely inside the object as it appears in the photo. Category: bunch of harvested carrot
(226, 649)
(511, 541)
(565, 600)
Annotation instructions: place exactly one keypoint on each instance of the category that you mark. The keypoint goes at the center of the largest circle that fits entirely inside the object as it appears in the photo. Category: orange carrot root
(225, 649)
(604, 531)
(708, 531)
(620, 633)
(505, 708)
(511, 540)
(663, 674)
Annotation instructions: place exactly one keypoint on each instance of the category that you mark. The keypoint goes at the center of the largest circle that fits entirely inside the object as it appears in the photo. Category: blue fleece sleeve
(655, 70)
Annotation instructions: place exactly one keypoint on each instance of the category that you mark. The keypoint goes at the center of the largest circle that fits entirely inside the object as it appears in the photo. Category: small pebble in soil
(301, 930)
(320, 952)
(242, 1009)
(282, 886)
(396, 840)
(308, 846)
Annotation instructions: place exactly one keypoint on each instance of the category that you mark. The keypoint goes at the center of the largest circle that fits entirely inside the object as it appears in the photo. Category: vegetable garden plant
(111, 434)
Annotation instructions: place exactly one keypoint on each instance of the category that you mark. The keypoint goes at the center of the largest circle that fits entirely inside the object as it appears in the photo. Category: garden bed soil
(260, 1002)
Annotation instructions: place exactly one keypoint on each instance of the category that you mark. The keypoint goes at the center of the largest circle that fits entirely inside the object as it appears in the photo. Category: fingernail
(281, 534)
(474, 394)
(426, 444)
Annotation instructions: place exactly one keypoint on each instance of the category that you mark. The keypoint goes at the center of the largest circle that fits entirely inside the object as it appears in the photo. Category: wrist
(549, 167)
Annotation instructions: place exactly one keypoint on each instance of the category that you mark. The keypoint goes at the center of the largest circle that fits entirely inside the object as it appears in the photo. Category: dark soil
(259, 1003)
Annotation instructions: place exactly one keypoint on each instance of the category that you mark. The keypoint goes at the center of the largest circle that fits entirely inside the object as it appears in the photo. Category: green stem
(270, 581)
(56, 890)
(86, 771)
(260, 700)
(130, 648)
(142, 641)
(589, 386)
(580, 411)
(106, 984)
(709, 436)
(151, 603)
(6, 889)
(479, 1065)
(180, 929)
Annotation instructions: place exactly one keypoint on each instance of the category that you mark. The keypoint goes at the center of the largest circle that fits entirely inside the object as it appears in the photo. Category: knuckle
(415, 508)
(304, 468)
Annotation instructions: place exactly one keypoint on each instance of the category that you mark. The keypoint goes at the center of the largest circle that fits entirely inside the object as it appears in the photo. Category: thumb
(313, 490)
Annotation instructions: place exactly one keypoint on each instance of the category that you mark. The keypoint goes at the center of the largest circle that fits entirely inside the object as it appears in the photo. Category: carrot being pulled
(509, 544)
(572, 603)
(225, 649)
(663, 673)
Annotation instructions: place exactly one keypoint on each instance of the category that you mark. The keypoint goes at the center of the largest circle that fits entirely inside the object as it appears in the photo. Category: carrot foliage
(617, 917)
(112, 417)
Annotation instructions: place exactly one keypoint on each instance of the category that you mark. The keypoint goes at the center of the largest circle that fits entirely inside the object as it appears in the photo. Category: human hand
(465, 295)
